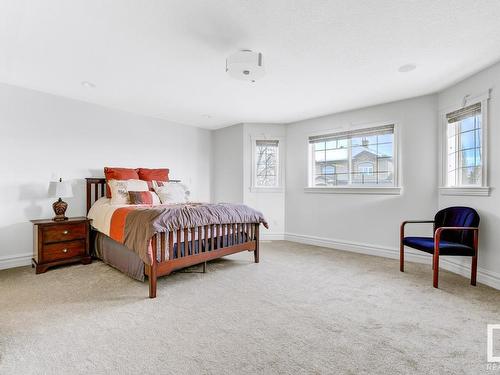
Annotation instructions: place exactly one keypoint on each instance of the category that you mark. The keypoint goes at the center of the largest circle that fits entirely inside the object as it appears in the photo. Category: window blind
(379, 130)
(463, 113)
(267, 143)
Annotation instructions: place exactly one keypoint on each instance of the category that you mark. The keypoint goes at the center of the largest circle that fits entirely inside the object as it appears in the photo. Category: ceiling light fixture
(88, 84)
(245, 65)
(407, 68)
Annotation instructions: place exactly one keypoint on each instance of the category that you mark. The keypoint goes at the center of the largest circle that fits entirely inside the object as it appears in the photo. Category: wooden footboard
(190, 246)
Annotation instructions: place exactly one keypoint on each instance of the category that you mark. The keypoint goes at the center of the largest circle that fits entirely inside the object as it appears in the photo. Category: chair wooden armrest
(403, 224)
(401, 237)
(437, 235)
(442, 229)
(416, 222)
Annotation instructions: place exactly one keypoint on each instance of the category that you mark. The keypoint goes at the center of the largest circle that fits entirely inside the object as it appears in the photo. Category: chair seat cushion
(445, 247)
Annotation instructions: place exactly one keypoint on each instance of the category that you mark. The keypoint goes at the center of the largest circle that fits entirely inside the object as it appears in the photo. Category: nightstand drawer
(64, 232)
(63, 250)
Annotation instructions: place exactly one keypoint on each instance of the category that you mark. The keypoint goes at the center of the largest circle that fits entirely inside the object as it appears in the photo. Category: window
(358, 158)
(464, 141)
(463, 147)
(266, 164)
(366, 169)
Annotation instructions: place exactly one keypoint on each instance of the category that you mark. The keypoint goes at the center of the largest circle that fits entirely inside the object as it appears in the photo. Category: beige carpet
(303, 309)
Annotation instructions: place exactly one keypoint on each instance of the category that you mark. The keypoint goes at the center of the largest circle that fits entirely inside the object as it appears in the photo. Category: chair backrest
(457, 217)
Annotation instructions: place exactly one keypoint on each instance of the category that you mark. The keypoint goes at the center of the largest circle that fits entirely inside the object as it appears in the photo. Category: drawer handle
(65, 232)
(65, 250)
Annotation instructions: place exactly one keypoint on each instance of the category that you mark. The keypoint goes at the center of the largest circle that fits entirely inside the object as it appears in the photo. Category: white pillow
(171, 192)
(120, 189)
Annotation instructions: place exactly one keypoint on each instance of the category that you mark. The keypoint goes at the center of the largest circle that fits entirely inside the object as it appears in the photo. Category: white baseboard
(272, 236)
(15, 261)
(484, 276)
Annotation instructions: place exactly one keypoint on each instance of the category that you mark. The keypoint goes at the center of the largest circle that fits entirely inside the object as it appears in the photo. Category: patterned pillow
(120, 188)
(143, 197)
(171, 192)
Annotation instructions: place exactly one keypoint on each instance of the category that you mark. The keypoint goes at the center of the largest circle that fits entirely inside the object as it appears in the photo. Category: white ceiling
(166, 59)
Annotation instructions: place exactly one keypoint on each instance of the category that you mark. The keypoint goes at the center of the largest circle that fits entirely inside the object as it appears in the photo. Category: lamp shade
(62, 189)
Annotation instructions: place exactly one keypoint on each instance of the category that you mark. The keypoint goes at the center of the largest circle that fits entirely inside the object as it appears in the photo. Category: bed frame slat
(200, 244)
(205, 239)
(212, 237)
(193, 241)
(171, 245)
(186, 242)
(162, 246)
(179, 241)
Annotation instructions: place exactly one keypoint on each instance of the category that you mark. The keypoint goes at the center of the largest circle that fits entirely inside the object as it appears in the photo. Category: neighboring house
(368, 167)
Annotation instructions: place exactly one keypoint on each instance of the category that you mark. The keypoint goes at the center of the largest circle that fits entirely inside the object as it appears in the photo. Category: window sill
(266, 190)
(372, 190)
(467, 191)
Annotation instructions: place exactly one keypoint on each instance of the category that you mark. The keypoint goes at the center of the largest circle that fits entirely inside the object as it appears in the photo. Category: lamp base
(60, 209)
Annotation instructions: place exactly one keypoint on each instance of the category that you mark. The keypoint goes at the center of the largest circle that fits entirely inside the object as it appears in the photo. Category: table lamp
(62, 190)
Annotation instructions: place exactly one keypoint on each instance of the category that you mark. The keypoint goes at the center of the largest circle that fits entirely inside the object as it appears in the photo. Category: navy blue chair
(456, 231)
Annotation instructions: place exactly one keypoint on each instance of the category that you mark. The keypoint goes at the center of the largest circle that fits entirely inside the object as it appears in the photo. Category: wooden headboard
(96, 188)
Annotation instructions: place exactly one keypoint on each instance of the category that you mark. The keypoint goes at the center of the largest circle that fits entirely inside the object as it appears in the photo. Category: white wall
(355, 221)
(232, 173)
(488, 207)
(44, 136)
(227, 158)
(271, 204)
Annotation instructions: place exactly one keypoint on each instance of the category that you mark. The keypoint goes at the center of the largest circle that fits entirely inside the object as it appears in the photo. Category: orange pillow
(112, 173)
(160, 174)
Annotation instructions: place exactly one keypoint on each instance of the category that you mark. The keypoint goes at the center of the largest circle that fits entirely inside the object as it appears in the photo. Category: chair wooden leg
(473, 272)
(436, 270)
(473, 268)
(432, 261)
(401, 255)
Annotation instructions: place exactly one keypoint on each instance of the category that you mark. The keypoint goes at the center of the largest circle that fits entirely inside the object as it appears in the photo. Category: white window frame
(483, 189)
(357, 189)
(279, 188)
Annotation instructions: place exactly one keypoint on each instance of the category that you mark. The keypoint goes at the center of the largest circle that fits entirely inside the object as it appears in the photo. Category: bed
(168, 247)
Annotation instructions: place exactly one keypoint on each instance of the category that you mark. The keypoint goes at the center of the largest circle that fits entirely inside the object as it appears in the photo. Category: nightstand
(60, 242)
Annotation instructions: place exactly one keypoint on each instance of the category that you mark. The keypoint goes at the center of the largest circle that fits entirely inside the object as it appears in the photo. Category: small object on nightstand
(60, 242)
(62, 190)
